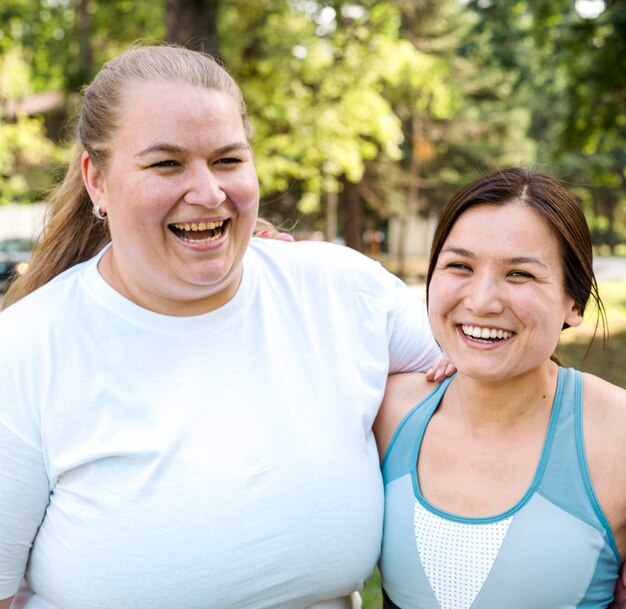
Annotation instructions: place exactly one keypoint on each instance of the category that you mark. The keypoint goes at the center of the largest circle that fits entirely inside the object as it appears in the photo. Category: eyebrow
(175, 149)
(460, 251)
(527, 260)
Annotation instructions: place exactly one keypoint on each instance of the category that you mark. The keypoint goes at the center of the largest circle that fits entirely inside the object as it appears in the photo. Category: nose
(484, 295)
(203, 187)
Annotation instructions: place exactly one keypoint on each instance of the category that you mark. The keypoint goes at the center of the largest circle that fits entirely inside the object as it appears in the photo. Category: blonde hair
(72, 233)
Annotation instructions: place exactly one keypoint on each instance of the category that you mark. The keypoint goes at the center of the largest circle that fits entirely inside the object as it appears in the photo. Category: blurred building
(22, 220)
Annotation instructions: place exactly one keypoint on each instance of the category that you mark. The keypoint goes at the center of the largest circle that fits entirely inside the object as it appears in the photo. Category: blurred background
(367, 115)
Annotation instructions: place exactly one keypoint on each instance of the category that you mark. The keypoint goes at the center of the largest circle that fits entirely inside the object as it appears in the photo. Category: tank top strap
(565, 480)
(401, 455)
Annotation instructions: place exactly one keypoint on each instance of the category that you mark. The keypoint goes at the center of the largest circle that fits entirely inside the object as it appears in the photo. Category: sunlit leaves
(25, 151)
(315, 83)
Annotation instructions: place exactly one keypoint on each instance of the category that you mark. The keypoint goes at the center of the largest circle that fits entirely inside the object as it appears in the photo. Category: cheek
(442, 296)
(540, 308)
(150, 199)
(439, 304)
(246, 192)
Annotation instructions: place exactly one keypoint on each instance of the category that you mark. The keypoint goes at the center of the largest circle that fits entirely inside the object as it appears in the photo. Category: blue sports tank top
(553, 549)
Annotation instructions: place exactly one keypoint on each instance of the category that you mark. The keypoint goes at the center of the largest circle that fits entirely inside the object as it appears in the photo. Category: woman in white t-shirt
(186, 412)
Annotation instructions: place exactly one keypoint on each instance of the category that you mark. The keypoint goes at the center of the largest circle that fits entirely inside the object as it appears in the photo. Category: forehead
(512, 229)
(171, 107)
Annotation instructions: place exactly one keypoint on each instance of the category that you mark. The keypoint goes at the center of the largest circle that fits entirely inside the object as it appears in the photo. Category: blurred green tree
(366, 110)
(569, 61)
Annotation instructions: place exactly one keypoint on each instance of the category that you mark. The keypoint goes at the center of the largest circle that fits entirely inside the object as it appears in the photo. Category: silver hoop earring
(99, 213)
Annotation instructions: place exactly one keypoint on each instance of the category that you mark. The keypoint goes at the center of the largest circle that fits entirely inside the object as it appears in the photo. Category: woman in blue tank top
(503, 486)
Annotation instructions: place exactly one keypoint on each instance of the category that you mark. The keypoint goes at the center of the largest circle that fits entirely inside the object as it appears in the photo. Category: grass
(371, 595)
(606, 361)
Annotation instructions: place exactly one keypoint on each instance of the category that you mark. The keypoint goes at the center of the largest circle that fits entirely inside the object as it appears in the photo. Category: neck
(175, 303)
(497, 405)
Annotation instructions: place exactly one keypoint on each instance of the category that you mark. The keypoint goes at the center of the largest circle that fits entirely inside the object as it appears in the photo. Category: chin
(486, 373)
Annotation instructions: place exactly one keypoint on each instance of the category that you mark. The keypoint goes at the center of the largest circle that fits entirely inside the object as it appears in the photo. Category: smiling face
(181, 195)
(496, 298)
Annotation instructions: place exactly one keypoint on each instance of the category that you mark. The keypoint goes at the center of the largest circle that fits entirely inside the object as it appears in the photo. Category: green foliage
(570, 74)
(409, 99)
(41, 28)
(53, 45)
(315, 83)
(25, 151)
(65, 41)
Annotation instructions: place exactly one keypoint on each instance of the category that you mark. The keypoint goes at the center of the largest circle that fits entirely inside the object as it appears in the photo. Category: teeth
(205, 240)
(485, 333)
(199, 226)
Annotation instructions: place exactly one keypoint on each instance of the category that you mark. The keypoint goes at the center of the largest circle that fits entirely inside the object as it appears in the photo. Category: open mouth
(199, 232)
(485, 335)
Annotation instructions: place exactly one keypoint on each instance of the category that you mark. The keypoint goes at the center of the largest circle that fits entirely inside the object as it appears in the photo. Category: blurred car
(14, 258)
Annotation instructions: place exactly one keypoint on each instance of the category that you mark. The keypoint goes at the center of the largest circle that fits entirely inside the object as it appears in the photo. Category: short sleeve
(412, 347)
(24, 496)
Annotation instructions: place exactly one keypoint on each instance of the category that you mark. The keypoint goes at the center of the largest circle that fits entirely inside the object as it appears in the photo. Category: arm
(24, 497)
(439, 370)
(403, 391)
(411, 323)
(604, 430)
(619, 602)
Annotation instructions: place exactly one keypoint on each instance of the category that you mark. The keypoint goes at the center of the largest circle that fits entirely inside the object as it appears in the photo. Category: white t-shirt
(224, 460)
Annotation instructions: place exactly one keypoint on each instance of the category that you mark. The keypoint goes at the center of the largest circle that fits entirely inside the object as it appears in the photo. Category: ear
(573, 317)
(93, 179)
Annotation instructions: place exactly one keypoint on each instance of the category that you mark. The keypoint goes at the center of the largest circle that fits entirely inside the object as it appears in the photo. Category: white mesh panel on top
(457, 557)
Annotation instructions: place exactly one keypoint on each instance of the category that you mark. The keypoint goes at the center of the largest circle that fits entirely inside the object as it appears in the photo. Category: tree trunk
(609, 203)
(331, 215)
(353, 216)
(83, 70)
(412, 199)
(193, 23)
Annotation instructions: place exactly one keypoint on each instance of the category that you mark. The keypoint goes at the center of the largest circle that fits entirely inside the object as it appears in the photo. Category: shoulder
(330, 259)
(604, 406)
(33, 314)
(604, 433)
(402, 393)
(604, 426)
(603, 400)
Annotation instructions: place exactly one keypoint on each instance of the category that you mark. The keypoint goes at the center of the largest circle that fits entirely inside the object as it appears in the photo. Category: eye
(166, 163)
(458, 266)
(229, 161)
(520, 275)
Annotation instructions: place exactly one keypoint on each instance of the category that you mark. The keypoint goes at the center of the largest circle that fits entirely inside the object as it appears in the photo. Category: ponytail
(72, 234)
